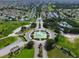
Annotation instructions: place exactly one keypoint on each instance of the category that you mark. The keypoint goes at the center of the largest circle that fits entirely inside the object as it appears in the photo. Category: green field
(6, 27)
(7, 41)
(25, 53)
(73, 47)
(77, 21)
(56, 53)
(63, 42)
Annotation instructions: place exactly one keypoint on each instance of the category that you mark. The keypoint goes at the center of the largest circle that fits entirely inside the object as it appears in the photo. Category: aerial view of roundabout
(33, 41)
(34, 38)
(39, 29)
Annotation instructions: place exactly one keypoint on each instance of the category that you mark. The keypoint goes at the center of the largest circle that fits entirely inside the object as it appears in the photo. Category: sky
(43, 1)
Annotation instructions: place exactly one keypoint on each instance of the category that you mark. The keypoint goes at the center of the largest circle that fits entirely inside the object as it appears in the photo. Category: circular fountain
(40, 35)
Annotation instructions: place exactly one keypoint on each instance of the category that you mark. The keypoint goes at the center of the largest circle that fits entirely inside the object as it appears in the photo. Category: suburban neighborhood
(39, 29)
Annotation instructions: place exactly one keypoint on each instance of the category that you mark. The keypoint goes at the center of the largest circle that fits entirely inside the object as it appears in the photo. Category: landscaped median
(5, 42)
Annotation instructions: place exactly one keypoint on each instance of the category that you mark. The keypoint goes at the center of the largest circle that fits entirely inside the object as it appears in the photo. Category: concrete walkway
(39, 21)
(44, 50)
(36, 45)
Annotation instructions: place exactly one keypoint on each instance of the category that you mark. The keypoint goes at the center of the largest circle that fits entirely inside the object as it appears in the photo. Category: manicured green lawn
(56, 53)
(25, 53)
(7, 41)
(73, 47)
(77, 21)
(63, 42)
(7, 27)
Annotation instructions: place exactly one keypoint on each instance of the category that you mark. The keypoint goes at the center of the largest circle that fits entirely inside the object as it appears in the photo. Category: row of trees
(50, 43)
